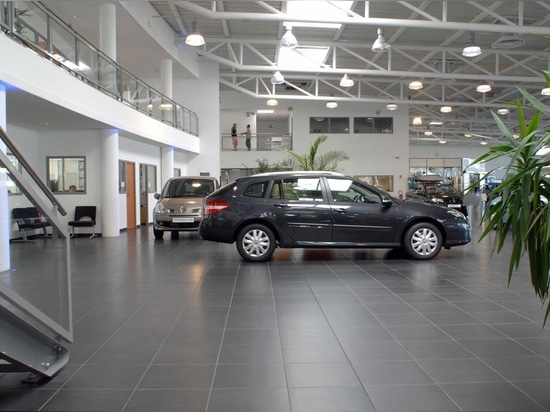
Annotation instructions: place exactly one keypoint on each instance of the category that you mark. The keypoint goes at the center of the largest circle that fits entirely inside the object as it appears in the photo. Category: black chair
(84, 216)
(27, 219)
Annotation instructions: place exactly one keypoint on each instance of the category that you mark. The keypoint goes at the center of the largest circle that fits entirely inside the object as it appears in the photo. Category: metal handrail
(17, 153)
(8, 26)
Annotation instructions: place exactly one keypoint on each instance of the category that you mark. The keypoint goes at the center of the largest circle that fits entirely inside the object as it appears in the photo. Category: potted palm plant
(522, 210)
(313, 161)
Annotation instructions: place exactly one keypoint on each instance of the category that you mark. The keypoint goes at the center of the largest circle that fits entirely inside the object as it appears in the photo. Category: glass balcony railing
(37, 28)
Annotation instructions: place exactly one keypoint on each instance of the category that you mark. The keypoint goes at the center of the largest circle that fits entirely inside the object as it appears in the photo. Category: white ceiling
(426, 37)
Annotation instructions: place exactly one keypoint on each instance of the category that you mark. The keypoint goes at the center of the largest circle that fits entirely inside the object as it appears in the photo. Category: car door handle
(280, 204)
(340, 209)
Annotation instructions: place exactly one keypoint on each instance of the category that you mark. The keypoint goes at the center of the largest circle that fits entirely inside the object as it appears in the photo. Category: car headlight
(159, 208)
(437, 200)
(455, 213)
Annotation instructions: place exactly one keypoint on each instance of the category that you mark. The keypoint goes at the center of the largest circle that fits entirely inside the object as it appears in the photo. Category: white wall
(370, 154)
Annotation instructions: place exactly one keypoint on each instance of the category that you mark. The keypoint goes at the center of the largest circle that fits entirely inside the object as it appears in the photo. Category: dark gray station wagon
(324, 210)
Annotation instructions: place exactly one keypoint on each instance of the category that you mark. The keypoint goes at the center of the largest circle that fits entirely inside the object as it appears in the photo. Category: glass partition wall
(37, 28)
(35, 276)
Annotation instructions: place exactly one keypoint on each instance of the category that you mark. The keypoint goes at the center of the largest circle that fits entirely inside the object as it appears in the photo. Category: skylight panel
(306, 57)
(322, 10)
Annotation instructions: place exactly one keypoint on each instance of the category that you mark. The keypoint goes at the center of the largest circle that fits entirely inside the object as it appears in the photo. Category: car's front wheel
(423, 241)
(159, 234)
(256, 243)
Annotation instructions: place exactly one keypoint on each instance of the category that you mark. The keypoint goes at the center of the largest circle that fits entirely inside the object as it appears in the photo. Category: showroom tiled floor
(186, 325)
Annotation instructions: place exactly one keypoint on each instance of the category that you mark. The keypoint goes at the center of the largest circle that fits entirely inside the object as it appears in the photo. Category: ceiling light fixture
(508, 41)
(545, 91)
(471, 49)
(417, 121)
(277, 78)
(380, 44)
(194, 38)
(436, 122)
(346, 81)
(288, 40)
(391, 106)
(428, 133)
(483, 87)
(442, 141)
(483, 142)
(272, 102)
(503, 112)
(332, 105)
(416, 85)
(446, 109)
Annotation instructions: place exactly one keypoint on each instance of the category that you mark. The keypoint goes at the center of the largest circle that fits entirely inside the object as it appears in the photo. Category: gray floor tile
(437, 350)
(173, 400)
(178, 377)
(392, 398)
(500, 396)
(86, 400)
(402, 372)
(307, 375)
(251, 375)
(331, 399)
(459, 371)
(249, 399)
(314, 352)
(247, 353)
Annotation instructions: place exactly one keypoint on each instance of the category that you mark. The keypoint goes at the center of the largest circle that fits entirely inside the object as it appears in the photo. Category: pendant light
(194, 38)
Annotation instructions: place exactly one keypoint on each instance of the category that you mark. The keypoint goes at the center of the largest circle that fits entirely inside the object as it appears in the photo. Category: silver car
(178, 207)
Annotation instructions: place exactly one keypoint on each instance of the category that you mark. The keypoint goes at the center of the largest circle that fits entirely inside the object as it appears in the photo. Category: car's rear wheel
(159, 234)
(256, 243)
(423, 241)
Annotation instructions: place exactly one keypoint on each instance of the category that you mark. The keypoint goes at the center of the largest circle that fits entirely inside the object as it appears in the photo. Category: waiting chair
(28, 218)
(84, 216)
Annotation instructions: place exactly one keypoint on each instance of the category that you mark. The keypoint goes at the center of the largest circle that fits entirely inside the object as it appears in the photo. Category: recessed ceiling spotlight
(391, 106)
(332, 105)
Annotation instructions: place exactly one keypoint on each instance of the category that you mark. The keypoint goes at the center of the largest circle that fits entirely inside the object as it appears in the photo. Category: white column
(107, 44)
(107, 29)
(110, 218)
(167, 153)
(4, 204)
(167, 163)
(166, 77)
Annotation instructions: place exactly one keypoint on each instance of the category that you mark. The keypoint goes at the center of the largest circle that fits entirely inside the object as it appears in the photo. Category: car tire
(159, 234)
(256, 243)
(423, 241)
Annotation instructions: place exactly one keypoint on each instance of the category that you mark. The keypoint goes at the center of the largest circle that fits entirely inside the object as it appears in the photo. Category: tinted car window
(257, 189)
(305, 189)
(188, 187)
(346, 190)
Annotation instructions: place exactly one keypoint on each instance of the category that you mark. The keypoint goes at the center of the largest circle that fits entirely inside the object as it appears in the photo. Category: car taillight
(214, 206)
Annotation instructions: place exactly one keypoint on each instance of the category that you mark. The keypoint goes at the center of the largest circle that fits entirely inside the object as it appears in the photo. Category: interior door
(131, 195)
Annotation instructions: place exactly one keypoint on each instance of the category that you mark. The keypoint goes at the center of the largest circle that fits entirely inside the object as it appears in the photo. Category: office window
(66, 174)
(325, 125)
(121, 176)
(373, 125)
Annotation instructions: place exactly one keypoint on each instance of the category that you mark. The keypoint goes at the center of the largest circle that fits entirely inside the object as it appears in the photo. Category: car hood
(175, 203)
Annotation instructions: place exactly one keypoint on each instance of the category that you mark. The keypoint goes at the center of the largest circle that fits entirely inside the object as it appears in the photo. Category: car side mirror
(387, 201)
(156, 196)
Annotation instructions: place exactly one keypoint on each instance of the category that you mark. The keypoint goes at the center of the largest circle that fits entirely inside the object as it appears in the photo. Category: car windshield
(188, 188)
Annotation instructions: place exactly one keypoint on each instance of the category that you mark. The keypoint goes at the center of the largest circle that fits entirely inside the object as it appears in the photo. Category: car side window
(346, 190)
(256, 189)
(303, 189)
